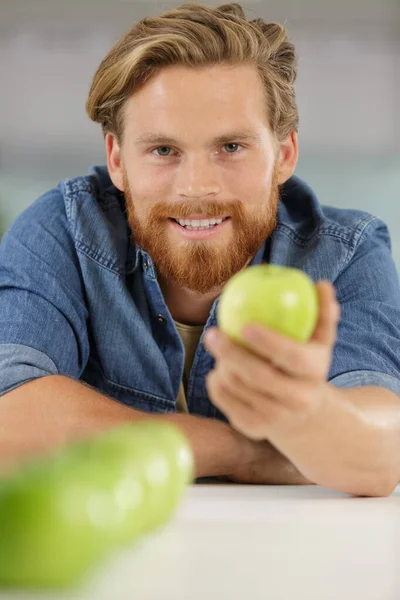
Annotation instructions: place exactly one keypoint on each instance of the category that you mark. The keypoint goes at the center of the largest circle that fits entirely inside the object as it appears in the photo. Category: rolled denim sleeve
(367, 350)
(20, 364)
(43, 316)
(359, 378)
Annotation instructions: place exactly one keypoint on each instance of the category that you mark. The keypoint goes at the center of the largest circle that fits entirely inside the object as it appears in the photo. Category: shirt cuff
(20, 364)
(359, 378)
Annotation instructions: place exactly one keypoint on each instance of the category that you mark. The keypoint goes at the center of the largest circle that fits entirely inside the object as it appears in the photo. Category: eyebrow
(159, 138)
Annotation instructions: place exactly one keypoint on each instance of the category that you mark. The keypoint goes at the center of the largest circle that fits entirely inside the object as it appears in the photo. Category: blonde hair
(197, 36)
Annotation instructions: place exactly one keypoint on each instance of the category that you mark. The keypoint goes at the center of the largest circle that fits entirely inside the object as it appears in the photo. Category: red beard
(200, 265)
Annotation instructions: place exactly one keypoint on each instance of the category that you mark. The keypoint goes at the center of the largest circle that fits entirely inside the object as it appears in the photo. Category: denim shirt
(78, 298)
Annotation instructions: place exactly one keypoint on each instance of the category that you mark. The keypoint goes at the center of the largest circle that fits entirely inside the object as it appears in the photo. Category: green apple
(283, 299)
(118, 477)
(51, 517)
(61, 514)
(163, 460)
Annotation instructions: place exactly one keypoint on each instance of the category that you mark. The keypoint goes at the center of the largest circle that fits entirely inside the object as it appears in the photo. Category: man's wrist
(262, 463)
(217, 448)
(312, 441)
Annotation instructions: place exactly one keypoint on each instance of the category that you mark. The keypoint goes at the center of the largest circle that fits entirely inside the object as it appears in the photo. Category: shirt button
(161, 318)
(146, 265)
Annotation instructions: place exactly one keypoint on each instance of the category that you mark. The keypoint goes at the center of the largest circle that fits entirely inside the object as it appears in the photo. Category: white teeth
(199, 223)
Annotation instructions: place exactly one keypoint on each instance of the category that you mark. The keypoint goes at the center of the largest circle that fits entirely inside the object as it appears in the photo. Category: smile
(199, 228)
(200, 223)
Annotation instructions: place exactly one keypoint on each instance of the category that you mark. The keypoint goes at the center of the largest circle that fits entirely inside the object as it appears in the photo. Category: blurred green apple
(283, 299)
(60, 514)
(51, 516)
(163, 460)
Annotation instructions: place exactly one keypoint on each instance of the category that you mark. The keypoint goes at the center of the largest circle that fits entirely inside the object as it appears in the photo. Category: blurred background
(348, 93)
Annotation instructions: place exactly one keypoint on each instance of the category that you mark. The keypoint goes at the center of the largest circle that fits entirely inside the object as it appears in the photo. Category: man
(109, 283)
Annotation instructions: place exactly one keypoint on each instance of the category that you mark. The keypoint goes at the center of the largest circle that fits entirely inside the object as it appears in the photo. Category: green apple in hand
(283, 299)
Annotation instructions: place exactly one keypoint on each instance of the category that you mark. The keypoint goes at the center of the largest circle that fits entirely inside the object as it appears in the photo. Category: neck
(186, 306)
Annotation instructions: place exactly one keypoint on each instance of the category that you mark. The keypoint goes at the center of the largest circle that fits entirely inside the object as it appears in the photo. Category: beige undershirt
(190, 335)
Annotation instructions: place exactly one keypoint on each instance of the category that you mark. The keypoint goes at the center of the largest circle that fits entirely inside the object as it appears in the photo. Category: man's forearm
(50, 411)
(351, 443)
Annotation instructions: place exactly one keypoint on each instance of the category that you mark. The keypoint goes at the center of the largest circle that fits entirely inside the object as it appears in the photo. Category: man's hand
(262, 463)
(275, 383)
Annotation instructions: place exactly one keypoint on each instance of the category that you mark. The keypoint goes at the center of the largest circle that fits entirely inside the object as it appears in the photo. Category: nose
(197, 177)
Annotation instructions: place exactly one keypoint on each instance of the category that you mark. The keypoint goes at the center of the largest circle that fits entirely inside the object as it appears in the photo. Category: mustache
(184, 210)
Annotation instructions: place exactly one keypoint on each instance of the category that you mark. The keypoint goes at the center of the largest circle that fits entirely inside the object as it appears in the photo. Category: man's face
(184, 172)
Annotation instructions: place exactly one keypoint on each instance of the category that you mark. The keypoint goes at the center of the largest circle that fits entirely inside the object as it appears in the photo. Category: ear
(288, 152)
(114, 161)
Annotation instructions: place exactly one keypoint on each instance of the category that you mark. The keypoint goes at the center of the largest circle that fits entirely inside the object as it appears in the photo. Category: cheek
(142, 206)
(250, 185)
(254, 171)
(149, 179)
(147, 192)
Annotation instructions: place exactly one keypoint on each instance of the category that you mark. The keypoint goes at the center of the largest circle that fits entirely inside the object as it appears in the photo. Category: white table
(231, 542)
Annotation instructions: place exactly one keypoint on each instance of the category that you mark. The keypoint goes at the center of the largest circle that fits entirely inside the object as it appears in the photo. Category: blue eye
(163, 148)
(165, 151)
(232, 144)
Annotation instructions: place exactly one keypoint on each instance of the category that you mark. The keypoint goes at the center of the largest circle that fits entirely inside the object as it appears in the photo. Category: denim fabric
(79, 298)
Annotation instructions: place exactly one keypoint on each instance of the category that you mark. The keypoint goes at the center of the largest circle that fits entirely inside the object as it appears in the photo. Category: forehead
(187, 99)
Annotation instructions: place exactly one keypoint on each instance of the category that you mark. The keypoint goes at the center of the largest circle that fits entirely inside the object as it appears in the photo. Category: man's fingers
(329, 314)
(241, 414)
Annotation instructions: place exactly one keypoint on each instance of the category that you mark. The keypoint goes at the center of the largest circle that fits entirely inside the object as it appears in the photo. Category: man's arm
(49, 411)
(275, 389)
(351, 442)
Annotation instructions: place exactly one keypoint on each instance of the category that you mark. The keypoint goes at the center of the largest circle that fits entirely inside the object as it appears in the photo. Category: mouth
(199, 224)
(200, 229)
